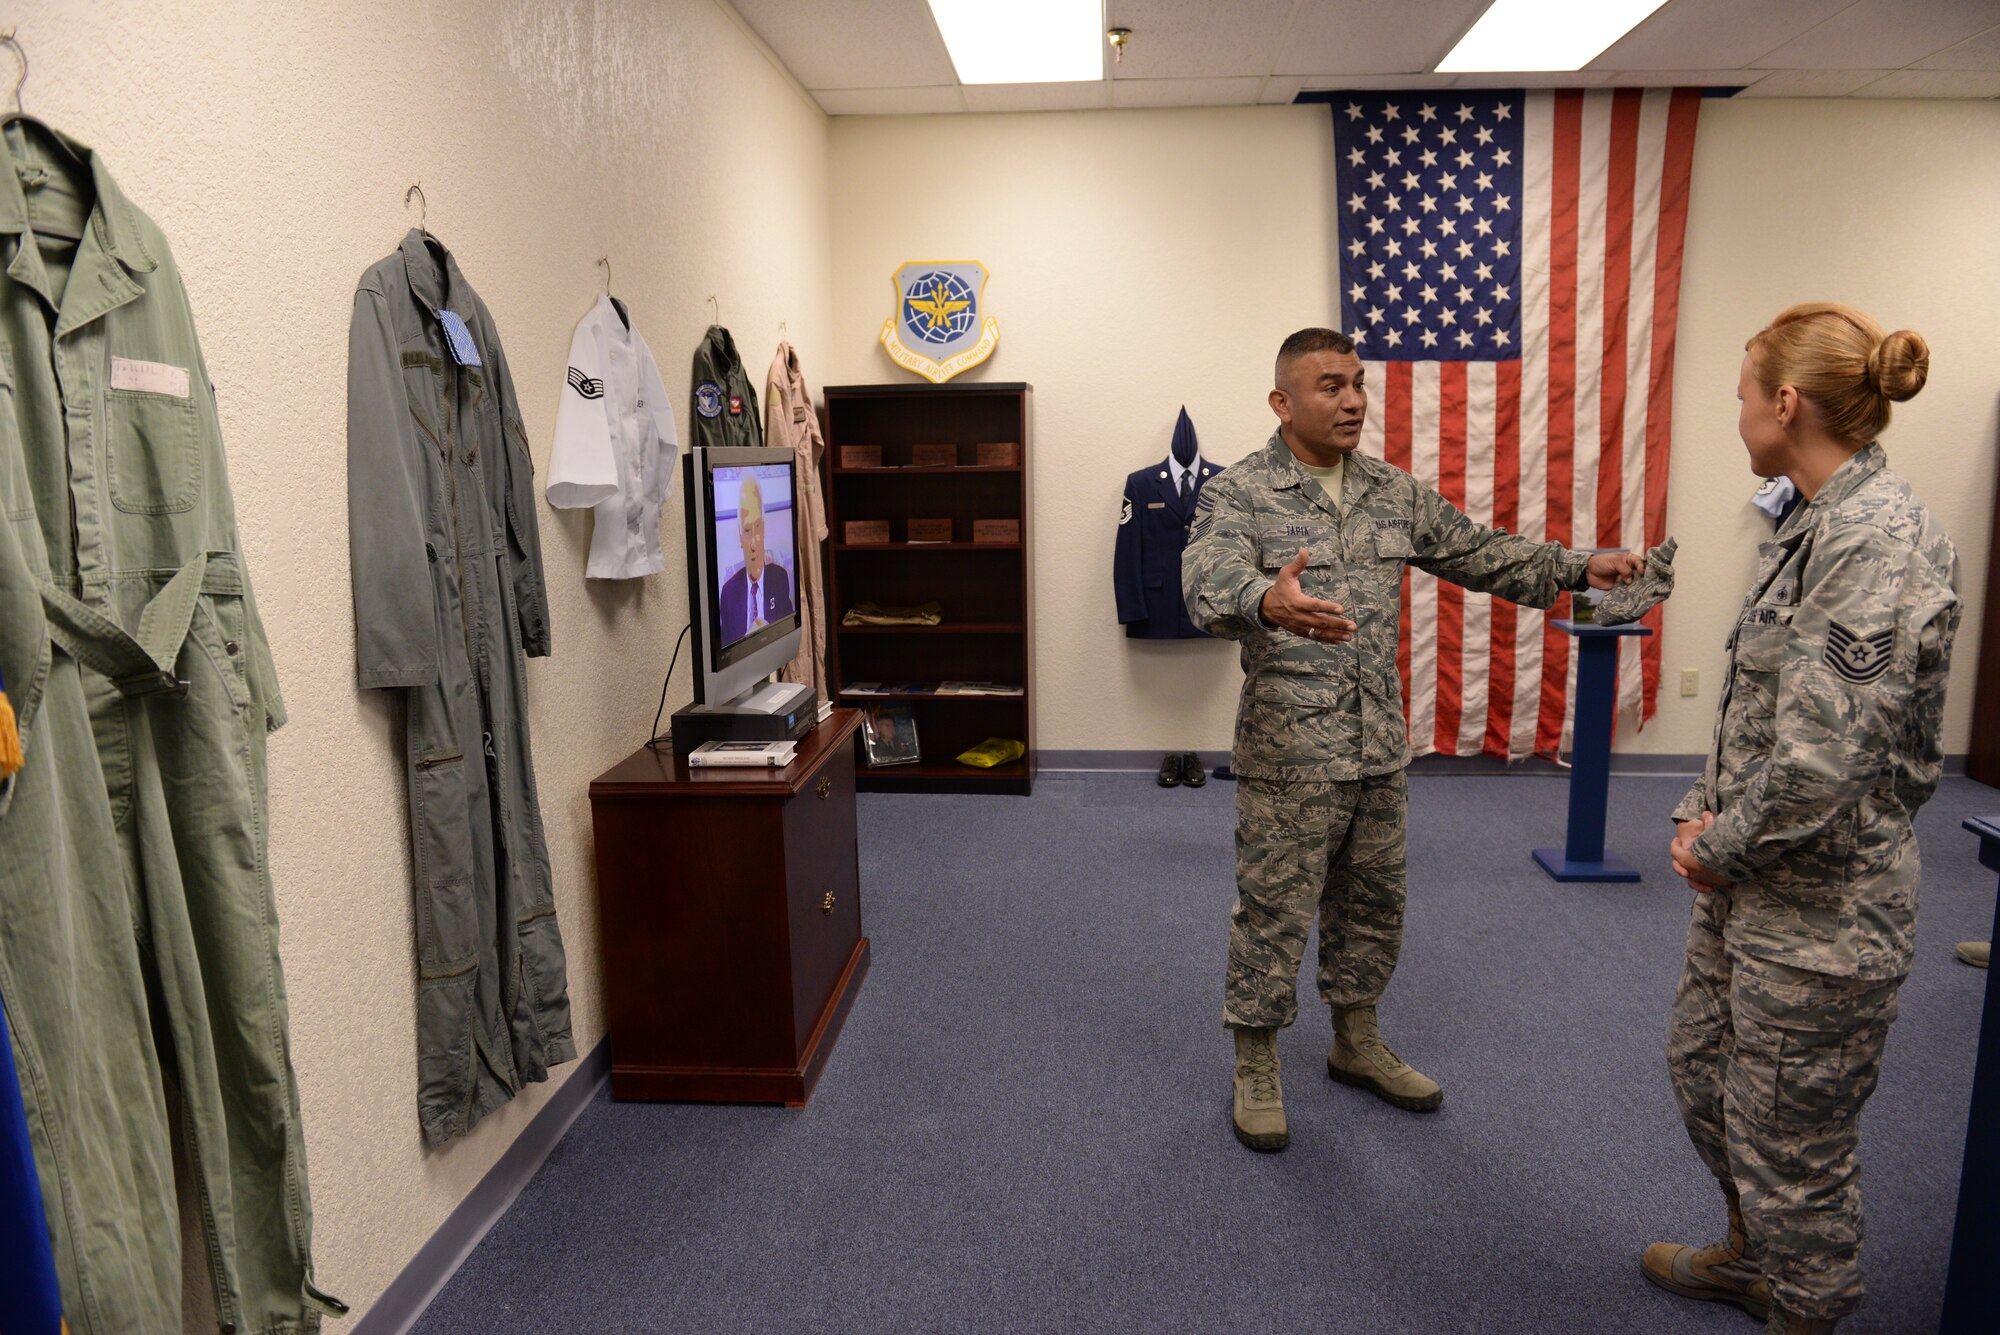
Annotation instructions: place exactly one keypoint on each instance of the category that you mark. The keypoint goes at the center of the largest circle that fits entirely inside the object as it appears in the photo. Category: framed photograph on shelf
(889, 735)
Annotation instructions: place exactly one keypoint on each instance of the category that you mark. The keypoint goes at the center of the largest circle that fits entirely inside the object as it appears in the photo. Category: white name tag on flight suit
(149, 377)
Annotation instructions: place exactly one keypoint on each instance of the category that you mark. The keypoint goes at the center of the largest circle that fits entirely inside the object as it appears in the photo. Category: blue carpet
(1024, 1126)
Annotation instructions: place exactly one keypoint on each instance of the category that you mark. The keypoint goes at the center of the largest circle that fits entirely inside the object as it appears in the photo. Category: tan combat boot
(1362, 1059)
(1784, 1323)
(1259, 1116)
(1722, 1272)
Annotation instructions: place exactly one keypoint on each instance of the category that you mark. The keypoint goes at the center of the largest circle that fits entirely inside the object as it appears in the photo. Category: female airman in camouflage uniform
(1798, 837)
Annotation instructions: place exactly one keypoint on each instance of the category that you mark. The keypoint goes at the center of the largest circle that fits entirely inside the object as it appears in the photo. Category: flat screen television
(743, 567)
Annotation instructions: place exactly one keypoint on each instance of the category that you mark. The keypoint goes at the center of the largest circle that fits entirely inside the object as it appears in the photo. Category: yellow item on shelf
(993, 751)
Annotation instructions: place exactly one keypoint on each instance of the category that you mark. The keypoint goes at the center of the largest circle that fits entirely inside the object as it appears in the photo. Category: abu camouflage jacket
(1335, 711)
(1827, 738)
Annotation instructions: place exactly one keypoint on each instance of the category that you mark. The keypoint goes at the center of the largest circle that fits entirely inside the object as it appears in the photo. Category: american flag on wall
(1510, 268)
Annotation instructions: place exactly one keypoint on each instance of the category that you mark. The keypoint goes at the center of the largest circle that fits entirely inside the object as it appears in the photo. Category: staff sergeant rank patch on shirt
(584, 385)
(1858, 658)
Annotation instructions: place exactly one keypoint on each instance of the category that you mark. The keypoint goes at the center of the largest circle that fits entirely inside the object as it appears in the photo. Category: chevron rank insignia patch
(584, 385)
(1858, 658)
(1125, 515)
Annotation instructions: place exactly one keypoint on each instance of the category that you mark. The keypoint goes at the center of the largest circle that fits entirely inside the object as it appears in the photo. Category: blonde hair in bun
(1842, 364)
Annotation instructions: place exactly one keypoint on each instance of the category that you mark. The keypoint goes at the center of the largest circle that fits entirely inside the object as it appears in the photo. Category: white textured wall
(273, 144)
(1146, 259)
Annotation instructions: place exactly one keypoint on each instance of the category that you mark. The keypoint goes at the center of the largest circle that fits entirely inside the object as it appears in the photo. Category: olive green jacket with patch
(1317, 711)
(1827, 739)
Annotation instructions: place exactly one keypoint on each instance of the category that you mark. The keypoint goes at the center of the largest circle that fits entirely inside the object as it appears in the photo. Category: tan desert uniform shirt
(1827, 740)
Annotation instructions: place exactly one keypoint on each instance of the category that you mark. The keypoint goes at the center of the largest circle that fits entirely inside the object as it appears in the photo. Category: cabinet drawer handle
(825, 788)
(826, 905)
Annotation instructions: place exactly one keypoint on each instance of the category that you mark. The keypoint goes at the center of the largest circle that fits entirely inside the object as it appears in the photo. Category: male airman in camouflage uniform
(1826, 744)
(1310, 583)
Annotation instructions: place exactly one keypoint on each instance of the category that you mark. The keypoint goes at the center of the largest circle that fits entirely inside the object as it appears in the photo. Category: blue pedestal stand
(1972, 1284)
(1583, 858)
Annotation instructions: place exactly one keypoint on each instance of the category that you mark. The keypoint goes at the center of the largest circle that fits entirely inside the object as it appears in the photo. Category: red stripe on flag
(1451, 598)
(1565, 153)
(1675, 173)
(1621, 172)
(1396, 449)
(1507, 515)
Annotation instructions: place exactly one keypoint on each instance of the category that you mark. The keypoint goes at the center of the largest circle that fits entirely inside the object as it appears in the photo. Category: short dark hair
(1309, 341)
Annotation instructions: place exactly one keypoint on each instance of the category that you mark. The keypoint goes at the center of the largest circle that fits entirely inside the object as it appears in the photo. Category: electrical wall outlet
(1690, 681)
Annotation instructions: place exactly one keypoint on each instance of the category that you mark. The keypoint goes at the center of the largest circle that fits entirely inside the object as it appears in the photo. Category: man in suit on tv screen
(761, 592)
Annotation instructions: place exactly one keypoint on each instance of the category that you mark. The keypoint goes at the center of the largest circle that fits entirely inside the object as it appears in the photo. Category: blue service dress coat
(777, 592)
(1152, 530)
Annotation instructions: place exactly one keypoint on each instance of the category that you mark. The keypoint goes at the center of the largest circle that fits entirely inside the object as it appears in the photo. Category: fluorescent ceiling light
(1523, 35)
(1022, 41)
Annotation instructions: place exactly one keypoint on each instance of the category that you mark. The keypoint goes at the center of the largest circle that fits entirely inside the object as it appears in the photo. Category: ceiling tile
(1238, 92)
(1977, 53)
(1092, 96)
(1713, 34)
(1934, 83)
(1281, 90)
(1873, 34)
(1811, 83)
(853, 43)
(1651, 78)
(1387, 83)
(889, 101)
(1192, 39)
(1368, 37)
(1548, 79)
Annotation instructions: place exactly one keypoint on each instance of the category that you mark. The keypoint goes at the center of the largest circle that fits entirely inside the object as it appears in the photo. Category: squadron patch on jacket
(708, 399)
(584, 385)
(1858, 658)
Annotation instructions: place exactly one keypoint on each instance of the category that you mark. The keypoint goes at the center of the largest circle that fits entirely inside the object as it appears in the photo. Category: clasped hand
(1608, 569)
(1685, 864)
(1288, 605)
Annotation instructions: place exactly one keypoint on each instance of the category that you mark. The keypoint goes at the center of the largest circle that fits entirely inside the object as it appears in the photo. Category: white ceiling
(884, 57)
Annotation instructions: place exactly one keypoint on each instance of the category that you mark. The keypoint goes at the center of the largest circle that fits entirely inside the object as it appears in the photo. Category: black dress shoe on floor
(1170, 772)
(1192, 774)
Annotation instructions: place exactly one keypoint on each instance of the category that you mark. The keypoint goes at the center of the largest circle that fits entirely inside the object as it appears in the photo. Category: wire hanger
(715, 308)
(604, 261)
(423, 206)
(18, 116)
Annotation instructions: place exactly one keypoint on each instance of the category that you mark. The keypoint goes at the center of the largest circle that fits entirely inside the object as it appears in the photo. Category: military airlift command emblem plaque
(939, 328)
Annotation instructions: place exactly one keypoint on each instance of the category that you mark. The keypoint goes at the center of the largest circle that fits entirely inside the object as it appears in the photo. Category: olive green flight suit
(448, 597)
(138, 931)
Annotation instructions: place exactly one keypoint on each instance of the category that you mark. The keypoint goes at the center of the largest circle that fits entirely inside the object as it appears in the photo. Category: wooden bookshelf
(984, 589)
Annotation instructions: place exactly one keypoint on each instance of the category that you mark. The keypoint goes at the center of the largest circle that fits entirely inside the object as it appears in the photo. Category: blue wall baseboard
(404, 1301)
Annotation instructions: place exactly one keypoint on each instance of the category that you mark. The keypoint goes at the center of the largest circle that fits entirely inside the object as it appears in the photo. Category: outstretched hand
(1609, 569)
(1685, 865)
(1289, 605)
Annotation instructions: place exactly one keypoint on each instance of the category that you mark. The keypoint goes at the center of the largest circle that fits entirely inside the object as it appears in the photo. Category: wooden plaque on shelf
(933, 456)
(996, 530)
(930, 530)
(861, 456)
(1000, 453)
(865, 530)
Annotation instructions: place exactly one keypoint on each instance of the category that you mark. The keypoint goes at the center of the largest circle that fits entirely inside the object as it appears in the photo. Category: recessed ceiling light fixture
(1524, 35)
(1022, 41)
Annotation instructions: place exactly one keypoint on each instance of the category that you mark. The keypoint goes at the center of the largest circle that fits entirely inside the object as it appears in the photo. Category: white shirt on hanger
(615, 443)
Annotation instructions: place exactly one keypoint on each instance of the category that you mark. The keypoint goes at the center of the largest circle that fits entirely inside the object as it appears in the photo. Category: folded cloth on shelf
(874, 614)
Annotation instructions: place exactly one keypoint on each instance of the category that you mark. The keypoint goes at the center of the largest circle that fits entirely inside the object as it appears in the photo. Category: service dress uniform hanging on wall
(448, 598)
(1152, 532)
(791, 424)
(138, 928)
(615, 443)
(725, 407)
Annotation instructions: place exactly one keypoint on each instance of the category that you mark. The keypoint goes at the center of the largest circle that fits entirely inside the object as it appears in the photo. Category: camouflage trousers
(1334, 846)
(1771, 1066)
